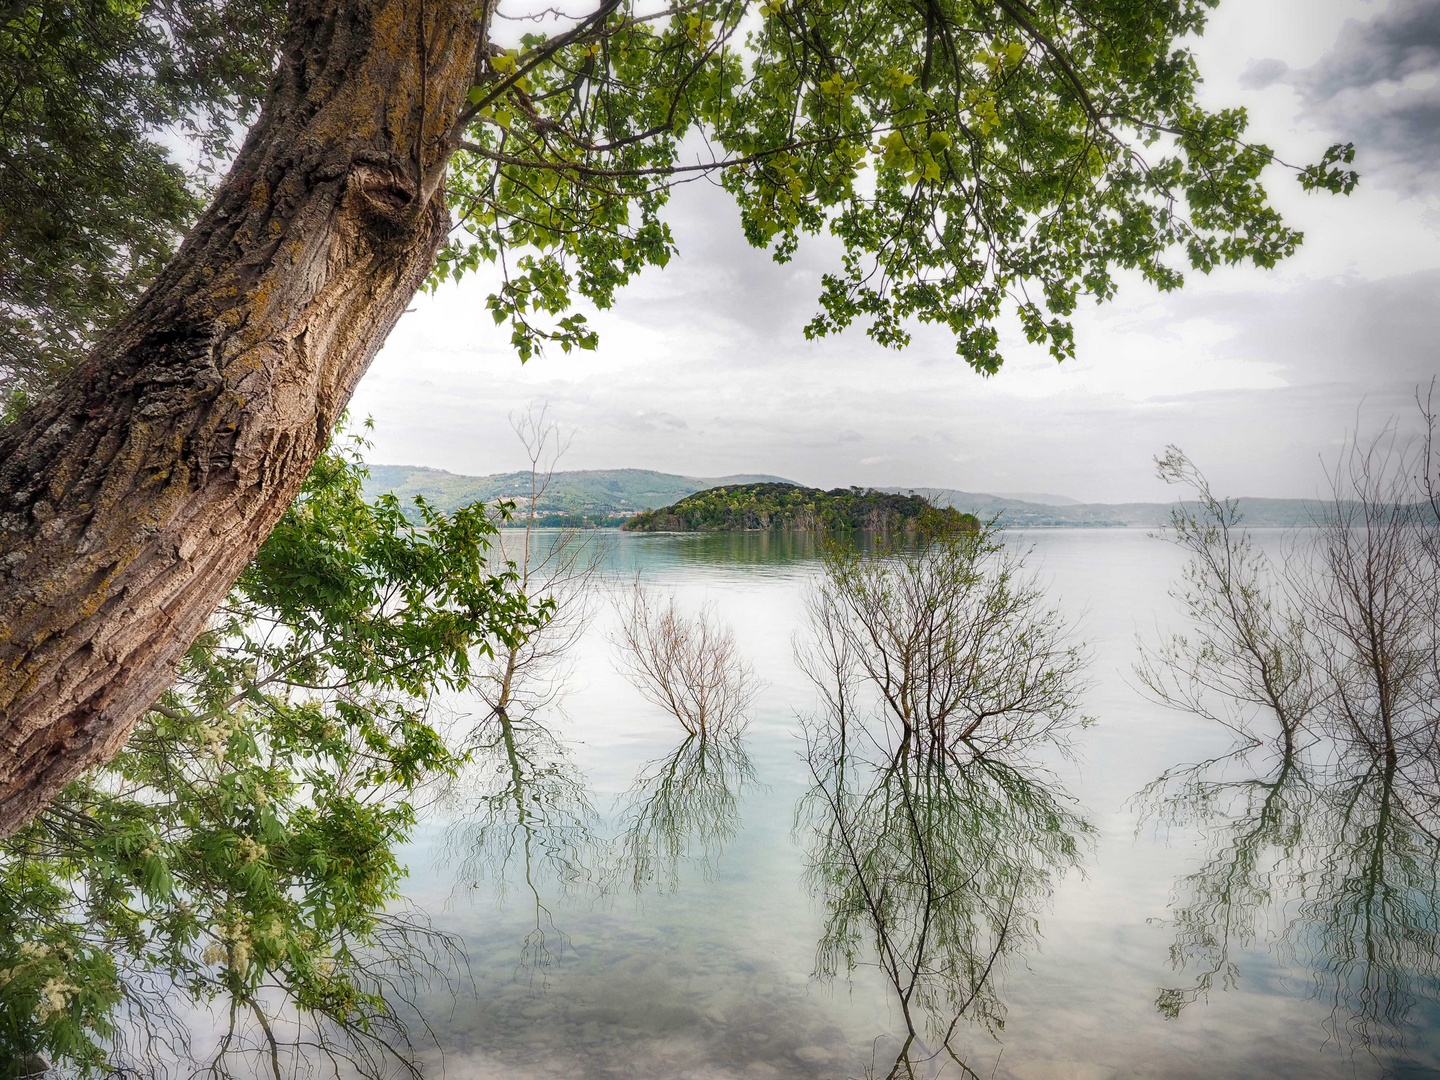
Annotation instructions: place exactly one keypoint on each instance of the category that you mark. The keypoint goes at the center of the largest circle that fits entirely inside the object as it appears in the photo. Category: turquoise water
(651, 908)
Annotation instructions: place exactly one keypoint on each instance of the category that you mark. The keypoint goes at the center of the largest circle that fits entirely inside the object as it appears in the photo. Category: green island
(791, 507)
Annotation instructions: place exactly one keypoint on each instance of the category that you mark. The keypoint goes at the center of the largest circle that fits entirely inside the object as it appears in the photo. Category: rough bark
(132, 498)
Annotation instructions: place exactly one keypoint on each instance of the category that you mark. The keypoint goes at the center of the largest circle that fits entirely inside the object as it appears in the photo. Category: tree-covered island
(795, 508)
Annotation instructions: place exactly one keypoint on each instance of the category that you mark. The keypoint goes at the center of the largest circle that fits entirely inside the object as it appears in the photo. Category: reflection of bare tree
(1345, 849)
(1373, 909)
(529, 824)
(683, 807)
(1258, 821)
(1337, 651)
(933, 868)
(688, 665)
(556, 566)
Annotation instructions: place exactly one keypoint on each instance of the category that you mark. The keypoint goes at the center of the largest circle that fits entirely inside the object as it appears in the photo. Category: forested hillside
(791, 507)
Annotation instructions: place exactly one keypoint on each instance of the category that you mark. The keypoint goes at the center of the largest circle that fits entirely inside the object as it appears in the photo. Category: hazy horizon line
(1013, 496)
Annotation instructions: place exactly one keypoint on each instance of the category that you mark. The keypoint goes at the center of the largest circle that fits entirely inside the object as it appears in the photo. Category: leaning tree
(973, 157)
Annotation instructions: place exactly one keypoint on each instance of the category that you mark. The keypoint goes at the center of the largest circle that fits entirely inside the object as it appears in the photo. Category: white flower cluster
(250, 850)
(275, 934)
(29, 951)
(54, 996)
(232, 946)
(217, 735)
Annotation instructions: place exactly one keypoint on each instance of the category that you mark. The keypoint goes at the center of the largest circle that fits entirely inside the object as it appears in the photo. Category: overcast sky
(703, 369)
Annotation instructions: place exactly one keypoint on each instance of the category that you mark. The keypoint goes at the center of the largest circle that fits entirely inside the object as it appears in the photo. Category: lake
(617, 926)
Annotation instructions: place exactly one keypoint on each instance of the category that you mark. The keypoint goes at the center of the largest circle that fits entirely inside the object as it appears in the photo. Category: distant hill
(596, 495)
(1258, 513)
(608, 496)
(1036, 497)
(791, 507)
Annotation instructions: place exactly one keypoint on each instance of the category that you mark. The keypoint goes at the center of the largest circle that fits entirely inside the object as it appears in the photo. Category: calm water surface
(638, 912)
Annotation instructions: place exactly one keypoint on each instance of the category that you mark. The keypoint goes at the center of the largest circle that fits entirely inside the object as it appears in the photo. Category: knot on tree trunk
(380, 191)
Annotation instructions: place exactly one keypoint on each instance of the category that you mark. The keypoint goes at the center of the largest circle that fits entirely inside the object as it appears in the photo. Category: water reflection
(527, 821)
(746, 549)
(933, 842)
(712, 979)
(1374, 908)
(1343, 852)
(683, 809)
(1257, 818)
(755, 555)
(528, 824)
(934, 868)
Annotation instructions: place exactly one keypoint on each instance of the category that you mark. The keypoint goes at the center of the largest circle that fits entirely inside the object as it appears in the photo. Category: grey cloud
(1259, 74)
(1371, 88)
(1336, 343)
(1403, 40)
(1360, 337)
(657, 421)
(733, 293)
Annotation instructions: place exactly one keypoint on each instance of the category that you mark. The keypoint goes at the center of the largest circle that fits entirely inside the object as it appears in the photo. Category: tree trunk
(132, 497)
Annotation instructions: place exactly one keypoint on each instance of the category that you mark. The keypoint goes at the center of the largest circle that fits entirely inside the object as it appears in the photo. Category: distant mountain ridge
(1257, 513)
(591, 494)
(604, 496)
(1043, 498)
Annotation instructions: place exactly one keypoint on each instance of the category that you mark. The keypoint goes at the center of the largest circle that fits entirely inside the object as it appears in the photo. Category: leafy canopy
(970, 155)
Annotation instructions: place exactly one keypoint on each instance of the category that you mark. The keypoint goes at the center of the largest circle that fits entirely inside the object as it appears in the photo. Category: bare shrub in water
(1248, 646)
(688, 665)
(1372, 587)
(557, 569)
(954, 640)
(1342, 637)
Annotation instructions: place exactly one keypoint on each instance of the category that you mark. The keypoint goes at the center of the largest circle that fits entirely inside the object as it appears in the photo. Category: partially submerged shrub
(688, 665)
(557, 570)
(952, 642)
(1247, 648)
(1340, 639)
